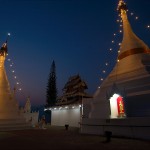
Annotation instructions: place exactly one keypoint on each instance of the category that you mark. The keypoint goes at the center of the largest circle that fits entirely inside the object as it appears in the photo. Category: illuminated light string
(137, 18)
(11, 65)
(15, 78)
(107, 63)
(114, 42)
(63, 107)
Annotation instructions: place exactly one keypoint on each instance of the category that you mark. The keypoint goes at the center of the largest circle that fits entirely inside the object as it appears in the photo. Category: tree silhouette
(51, 93)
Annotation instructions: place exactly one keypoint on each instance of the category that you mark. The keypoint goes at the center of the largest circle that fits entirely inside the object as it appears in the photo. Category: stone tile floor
(54, 138)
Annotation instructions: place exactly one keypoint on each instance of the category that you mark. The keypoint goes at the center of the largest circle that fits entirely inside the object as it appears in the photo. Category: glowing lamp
(116, 106)
(113, 106)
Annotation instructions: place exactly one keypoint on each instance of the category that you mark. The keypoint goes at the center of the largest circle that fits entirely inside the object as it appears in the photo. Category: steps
(14, 124)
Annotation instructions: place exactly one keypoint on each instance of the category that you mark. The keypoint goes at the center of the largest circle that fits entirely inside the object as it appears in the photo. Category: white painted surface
(60, 117)
(128, 127)
(31, 118)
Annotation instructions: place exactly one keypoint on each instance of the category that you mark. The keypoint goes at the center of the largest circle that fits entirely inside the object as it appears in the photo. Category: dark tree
(51, 94)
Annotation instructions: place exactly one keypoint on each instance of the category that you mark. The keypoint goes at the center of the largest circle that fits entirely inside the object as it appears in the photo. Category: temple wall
(31, 118)
(66, 116)
(128, 127)
(86, 107)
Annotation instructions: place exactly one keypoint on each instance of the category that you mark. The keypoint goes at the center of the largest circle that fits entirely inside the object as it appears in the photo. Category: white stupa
(130, 78)
(8, 105)
(121, 104)
(10, 116)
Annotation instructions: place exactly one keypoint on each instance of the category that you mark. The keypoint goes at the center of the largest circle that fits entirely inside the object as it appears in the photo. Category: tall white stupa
(121, 104)
(129, 79)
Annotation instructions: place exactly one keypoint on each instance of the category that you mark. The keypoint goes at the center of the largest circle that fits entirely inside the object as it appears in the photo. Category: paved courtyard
(54, 138)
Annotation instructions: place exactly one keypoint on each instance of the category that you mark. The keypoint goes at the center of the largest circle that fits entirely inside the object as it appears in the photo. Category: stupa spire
(131, 44)
(3, 49)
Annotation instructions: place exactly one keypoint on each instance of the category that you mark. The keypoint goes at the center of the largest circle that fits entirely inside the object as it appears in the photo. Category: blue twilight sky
(76, 34)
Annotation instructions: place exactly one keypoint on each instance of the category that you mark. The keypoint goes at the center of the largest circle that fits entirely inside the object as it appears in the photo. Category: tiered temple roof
(73, 91)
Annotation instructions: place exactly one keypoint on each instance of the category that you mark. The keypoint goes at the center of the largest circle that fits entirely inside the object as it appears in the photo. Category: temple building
(68, 109)
(73, 91)
(123, 99)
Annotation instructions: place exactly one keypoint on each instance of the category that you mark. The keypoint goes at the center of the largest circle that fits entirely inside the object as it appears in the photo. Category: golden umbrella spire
(131, 43)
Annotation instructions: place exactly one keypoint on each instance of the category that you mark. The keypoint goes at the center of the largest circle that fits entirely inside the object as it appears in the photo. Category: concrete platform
(57, 138)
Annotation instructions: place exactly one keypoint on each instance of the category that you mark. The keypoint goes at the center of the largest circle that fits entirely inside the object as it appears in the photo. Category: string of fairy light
(106, 64)
(111, 49)
(13, 71)
(17, 85)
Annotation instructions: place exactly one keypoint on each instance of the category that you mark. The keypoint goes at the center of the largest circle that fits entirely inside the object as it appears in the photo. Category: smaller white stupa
(8, 104)
(10, 116)
(31, 117)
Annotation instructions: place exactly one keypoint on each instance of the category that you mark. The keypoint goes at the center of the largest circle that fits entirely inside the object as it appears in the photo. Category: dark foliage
(51, 93)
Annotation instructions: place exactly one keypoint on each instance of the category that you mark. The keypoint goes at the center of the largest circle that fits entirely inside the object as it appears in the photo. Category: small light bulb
(131, 14)
(136, 18)
(106, 64)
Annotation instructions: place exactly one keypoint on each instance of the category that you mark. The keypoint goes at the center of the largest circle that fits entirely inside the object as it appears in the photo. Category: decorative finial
(121, 6)
(3, 49)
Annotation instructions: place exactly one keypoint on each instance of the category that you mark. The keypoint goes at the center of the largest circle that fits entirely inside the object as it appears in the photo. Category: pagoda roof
(77, 98)
(73, 91)
(75, 81)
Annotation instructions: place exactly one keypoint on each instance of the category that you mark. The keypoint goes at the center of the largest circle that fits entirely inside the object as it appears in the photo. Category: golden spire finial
(121, 6)
(131, 44)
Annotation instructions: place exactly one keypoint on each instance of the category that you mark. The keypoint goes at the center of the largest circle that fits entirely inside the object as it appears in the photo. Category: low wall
(128, 127)
(31, 117)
